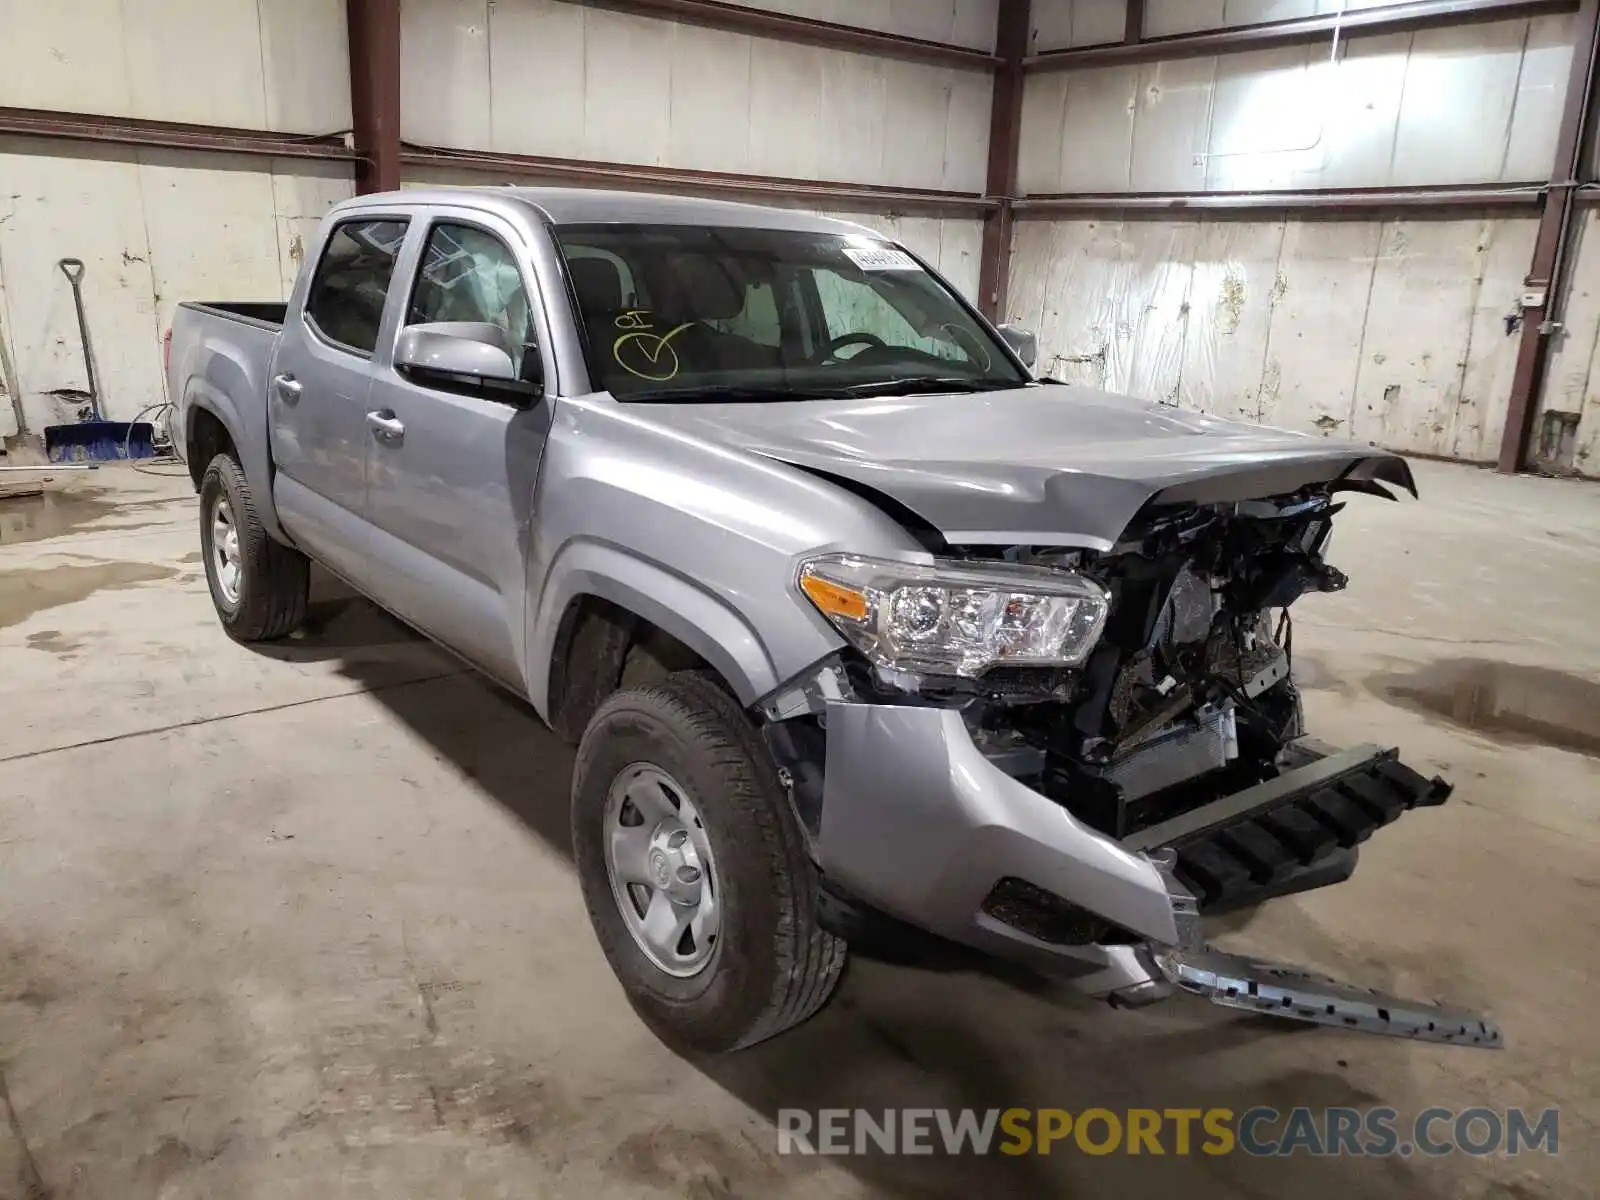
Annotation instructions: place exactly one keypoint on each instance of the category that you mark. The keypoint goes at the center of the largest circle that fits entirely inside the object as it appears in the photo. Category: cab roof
(593, 206)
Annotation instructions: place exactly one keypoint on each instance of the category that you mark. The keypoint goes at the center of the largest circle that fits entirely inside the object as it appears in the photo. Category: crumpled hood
(1049, 465)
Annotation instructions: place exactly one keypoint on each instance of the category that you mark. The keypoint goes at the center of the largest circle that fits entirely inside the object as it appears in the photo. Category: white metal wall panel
(709, 118)
(1267, 118)
(1077, 131)
(969, 23)
(258, 64)
(1163, 17)
(153, 228)
(1391, 332)
(1360, 107)
(444, 73)
(64, 57)
(628, 97)
(1170, 121)
(548, 78)
(786, 91)
(1061, 24)
(1473, 104)
(1541, 88)
(1461, 85)
(539, 70)
(305, 64)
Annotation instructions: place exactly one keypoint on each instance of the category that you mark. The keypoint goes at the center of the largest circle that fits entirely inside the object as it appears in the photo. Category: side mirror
(472, 356)
(1023, 342)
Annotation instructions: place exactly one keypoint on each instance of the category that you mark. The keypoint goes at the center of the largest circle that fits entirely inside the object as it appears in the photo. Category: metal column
(1551, 250)
(1005, 138)
(375, 92)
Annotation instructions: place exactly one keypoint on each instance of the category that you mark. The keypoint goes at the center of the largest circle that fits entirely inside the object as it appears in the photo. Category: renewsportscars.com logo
(1261, 1132)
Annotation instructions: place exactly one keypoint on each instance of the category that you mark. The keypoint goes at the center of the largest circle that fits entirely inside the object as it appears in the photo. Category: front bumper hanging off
(919, 825)
(1276, 990)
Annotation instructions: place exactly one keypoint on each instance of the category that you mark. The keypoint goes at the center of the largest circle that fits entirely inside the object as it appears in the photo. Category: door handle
(289, 388)
(385, 426)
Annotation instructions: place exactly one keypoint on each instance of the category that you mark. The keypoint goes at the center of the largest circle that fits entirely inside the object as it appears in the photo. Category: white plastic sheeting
(544, 77)
(1461, 104)
(1569, 440)
(153, 227)
(1388, 331)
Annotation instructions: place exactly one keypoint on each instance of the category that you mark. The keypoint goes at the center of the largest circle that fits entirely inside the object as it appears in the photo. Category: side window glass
(352, 282)
(469, 275)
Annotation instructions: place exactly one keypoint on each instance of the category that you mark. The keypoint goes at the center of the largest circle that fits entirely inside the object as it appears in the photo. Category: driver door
(451, 473)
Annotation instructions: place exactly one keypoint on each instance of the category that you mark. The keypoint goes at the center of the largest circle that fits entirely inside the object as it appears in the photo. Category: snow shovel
(96, 438)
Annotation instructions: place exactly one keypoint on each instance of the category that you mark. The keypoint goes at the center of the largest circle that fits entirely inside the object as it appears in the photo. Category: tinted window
(470, 275)
(352, 281)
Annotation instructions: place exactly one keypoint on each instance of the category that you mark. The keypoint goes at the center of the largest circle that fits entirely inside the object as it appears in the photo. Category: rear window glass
(352, 282)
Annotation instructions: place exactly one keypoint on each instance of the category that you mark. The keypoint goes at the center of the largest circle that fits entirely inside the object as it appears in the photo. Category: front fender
(674, 604)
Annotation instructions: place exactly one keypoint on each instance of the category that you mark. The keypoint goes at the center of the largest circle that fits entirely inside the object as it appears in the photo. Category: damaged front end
(1068, 757)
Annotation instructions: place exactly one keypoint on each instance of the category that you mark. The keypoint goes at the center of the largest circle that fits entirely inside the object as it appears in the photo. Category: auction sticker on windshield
(883, 259)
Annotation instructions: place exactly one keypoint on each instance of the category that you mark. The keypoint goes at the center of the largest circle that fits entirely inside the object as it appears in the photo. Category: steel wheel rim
(225, 550)
(663, 876)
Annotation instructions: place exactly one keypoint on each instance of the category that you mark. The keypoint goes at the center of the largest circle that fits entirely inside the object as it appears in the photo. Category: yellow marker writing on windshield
(643, 352)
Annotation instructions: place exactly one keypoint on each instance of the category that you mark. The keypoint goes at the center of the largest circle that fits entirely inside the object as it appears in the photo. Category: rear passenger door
(450, 495)
(317, 390)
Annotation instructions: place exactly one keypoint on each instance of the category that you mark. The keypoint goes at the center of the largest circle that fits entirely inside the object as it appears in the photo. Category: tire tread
(276, 577)
(810, 961)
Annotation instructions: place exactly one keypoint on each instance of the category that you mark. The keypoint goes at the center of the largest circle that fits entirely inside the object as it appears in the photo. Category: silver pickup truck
(865, 636)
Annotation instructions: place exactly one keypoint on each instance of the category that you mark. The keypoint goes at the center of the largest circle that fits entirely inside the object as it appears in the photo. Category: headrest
(692, 287)
(598, 284)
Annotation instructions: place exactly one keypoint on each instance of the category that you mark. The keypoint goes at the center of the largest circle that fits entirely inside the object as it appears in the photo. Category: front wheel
(259, 586)
(694, 870)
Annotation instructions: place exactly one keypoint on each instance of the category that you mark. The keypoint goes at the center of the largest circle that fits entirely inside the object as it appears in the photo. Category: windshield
(686, 312)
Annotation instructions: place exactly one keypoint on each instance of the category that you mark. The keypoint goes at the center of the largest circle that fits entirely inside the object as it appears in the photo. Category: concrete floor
(300, 921)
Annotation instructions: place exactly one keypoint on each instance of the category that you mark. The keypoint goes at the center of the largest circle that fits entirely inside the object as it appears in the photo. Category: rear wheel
(259, 586)
(694, 869)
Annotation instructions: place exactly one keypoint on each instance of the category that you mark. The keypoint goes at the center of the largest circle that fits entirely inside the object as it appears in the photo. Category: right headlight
(953, 618)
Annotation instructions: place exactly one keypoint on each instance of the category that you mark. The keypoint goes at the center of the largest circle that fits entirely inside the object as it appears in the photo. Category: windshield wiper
(902, 386)
(908, 385)
(736, 392)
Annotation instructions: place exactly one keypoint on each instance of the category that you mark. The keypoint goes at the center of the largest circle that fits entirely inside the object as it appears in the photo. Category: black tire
(274, 579)
(773, 965)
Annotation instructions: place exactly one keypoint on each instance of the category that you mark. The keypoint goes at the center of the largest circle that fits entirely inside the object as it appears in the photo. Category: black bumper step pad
(1261, 853)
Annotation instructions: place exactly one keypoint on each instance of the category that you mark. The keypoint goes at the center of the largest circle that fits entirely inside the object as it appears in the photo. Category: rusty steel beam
(1014, 27)
(783, 27)
(1395, 18)
(1133, 21)
(171, 135)
(1360, 201)
(770, 188)
(1551, 247)
(374, 29)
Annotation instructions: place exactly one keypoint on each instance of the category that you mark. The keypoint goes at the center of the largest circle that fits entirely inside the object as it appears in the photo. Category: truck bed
(250, 312)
